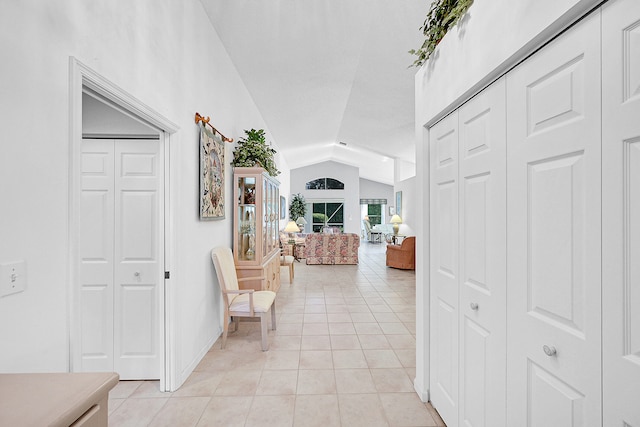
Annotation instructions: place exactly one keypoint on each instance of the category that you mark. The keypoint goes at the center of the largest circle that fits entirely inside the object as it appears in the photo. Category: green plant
(442, 16)
(320, 218)
(252, 150)
(297, 207)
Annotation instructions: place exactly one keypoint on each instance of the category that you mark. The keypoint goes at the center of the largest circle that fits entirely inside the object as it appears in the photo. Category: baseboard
(422, 394)
(184, 374)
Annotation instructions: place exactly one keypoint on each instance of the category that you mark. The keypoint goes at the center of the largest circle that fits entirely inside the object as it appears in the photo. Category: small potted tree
(297, 208)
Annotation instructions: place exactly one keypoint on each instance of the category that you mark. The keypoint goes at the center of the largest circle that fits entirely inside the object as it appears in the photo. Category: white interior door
(482, 220)
(96, 256)
(443, 154)
(129, 270)
(553, 229)
(621, 212)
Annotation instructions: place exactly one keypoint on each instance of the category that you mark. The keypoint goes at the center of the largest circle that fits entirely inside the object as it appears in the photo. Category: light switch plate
(13, 278)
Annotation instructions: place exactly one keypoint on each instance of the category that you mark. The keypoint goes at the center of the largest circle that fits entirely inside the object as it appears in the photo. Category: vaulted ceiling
(326, 72)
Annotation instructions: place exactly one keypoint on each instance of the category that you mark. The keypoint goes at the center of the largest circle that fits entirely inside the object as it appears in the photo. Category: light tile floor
(343, 354)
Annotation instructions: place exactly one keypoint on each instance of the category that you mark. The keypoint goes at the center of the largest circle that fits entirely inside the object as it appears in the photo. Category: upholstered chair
(402, 256)
(241, 302)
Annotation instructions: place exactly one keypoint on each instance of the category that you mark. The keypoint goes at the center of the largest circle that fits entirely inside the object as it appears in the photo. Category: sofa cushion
(323, 248)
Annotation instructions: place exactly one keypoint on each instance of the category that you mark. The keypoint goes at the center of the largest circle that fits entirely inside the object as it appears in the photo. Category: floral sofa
(322, 248)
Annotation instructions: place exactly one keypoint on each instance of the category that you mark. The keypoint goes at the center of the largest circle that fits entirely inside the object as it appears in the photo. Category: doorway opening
(119, 231)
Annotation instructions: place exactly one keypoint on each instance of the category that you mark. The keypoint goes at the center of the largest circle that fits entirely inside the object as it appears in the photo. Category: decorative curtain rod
(205, 120)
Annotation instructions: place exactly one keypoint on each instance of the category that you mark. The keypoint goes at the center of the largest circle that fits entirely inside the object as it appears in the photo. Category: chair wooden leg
(236, 323)
(291, 273)
(225, 330)
(273, 316)
(263, 327)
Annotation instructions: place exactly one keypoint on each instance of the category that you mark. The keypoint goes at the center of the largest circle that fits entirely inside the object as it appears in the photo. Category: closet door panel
(96, 257)
(138, 264)
(621, 212)
(553, 229)
(443, 152)
(482, 219)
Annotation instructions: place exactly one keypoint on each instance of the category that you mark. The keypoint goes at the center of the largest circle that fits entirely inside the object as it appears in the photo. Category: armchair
(241, 302)
(402, 256)
(372, 235)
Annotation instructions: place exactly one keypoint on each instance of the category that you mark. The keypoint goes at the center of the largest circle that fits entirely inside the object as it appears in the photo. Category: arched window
(325, 184)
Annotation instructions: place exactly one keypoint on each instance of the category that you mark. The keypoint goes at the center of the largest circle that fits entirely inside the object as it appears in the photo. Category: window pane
(325, 184)
(334, 184)
(375, 214)
(335, 213)
(331, 214)
(316, 184)
(319, 216)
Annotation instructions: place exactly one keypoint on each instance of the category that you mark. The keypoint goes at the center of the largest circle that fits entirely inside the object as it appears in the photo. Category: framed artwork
(399, 203)
(211, 175)
(283, 207)
(392, 211)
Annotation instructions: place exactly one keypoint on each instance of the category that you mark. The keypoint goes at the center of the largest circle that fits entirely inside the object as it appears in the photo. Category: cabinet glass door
(246, 218)
(265, 223)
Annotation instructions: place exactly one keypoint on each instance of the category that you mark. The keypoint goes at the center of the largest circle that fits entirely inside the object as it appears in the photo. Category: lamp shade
(291, 227)
(301, 220)
(396, 219)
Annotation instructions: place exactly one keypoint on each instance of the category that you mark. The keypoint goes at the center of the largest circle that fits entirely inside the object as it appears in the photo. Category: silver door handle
(474, 306)
(549, 351)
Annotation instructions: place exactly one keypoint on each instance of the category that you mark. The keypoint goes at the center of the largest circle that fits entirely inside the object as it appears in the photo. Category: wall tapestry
(211, 175)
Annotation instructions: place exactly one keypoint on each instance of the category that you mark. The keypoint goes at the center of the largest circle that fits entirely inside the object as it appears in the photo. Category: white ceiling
(328, 71)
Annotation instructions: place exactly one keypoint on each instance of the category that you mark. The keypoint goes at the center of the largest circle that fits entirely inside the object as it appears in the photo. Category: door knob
(474, 306)
(549, 351)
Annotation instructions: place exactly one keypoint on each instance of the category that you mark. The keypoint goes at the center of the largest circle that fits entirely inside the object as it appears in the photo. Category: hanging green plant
(253, 150)
(442, 16)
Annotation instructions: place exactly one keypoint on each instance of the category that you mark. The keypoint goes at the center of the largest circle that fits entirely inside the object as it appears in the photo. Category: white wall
(403, 169)
(492, 38)
(351, 194)
(376, 190)
(167, 55)
(410, 203)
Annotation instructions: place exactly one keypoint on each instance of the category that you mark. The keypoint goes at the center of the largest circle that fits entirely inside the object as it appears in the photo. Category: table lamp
(396, 221)
(301, 222)
(291, 228)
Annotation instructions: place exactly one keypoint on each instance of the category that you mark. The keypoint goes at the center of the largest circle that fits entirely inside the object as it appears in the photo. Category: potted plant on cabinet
(252, 150)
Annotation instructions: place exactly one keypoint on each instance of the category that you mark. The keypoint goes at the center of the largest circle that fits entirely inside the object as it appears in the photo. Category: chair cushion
(262, 301)
(286, 259)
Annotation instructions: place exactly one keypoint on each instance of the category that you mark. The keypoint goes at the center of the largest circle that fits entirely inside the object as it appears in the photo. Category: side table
(294, 247)
(397, 239)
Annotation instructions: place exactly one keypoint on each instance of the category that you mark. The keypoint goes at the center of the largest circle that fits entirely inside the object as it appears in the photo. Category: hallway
(343, 354)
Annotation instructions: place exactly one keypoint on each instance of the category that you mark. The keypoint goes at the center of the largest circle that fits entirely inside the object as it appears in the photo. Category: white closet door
(95, 314)
(621, 212)
(121, 293)
(482, 178)
(138, 262)
(553, 229)
(443, 152)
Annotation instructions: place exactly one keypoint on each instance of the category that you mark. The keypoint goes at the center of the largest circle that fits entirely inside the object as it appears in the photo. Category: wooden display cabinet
(256, 248)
